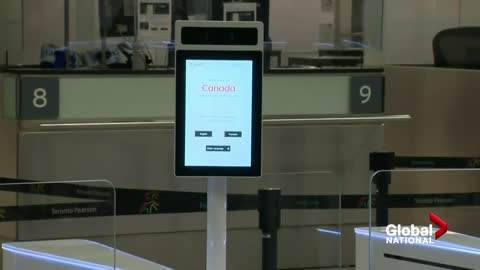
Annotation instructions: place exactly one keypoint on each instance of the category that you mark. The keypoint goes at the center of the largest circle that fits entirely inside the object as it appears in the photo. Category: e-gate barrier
(384, 162)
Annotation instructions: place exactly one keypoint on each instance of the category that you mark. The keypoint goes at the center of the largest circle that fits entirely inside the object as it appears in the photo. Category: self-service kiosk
(218, 124)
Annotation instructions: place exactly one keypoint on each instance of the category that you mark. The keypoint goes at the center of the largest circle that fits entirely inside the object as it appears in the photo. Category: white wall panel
(43, 23)
(470, 13)
(10, 29)
(410, 25)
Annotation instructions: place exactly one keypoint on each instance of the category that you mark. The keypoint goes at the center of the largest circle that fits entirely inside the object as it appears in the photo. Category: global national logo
(411, 234)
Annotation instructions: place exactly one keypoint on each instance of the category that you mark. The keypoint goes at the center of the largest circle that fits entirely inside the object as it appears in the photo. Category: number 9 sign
(366, 94)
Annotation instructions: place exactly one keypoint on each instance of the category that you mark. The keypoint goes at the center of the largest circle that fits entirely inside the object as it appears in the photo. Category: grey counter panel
(98, 97)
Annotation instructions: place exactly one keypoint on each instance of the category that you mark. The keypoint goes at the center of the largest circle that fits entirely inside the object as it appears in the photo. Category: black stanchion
(269, 219)
(382, 162)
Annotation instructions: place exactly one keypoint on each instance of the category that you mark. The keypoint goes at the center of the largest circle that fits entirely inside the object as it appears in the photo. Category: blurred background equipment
(154, 28)
(239, 11)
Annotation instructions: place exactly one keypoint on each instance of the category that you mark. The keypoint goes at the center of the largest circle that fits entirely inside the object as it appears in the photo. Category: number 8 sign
(39, 98)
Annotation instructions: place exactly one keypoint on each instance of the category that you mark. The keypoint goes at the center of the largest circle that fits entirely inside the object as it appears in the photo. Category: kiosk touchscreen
(218, 113)
(218, 127)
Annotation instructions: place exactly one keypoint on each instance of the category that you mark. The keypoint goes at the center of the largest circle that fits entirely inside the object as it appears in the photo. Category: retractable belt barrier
(384, 162)
(147, 202)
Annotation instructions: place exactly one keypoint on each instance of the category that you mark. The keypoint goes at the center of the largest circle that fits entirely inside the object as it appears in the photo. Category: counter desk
(319, 128)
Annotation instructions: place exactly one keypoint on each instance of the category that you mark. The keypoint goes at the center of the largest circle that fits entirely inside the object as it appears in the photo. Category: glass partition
(57, 225)
(125, 34)
(327, 33)
(426, 220)
(307, 34)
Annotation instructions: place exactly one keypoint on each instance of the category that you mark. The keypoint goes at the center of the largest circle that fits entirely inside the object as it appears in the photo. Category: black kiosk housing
(218, 126)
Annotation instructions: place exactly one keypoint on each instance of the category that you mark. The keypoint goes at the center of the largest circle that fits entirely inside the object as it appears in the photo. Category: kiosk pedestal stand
(217, 223)
(218, 122)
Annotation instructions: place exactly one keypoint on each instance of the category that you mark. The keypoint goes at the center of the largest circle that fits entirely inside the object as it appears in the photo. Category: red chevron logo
(442, 225)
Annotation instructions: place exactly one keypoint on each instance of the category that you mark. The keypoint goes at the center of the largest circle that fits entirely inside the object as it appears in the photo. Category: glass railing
(64, 224)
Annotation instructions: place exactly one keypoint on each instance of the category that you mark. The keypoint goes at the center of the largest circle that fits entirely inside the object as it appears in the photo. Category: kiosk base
(216, 223)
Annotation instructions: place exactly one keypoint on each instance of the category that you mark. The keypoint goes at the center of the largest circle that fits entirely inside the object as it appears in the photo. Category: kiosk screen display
(218, 116)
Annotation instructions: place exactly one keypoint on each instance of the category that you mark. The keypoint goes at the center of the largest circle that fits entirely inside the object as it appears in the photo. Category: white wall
(26, 25)
(373, 32)
(470, 13)
(3, 33)
(345, 18)
(410, 26)
(10, 28)
(84, 20)
(43, 23)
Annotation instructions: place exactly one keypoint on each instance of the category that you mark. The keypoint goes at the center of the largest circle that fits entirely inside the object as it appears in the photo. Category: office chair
(458, 48)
